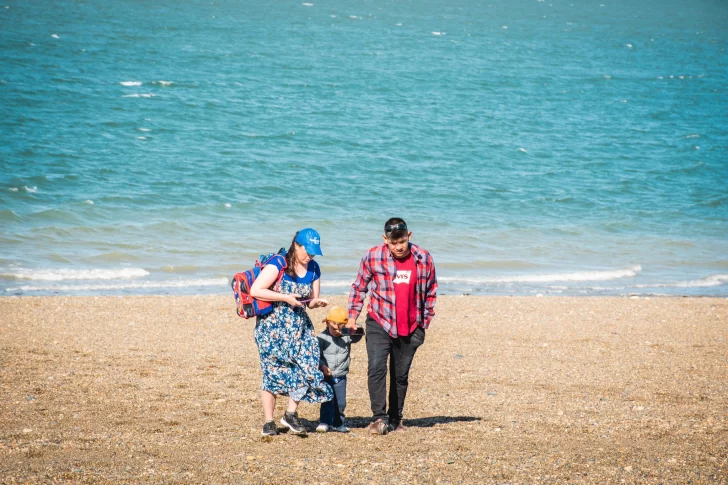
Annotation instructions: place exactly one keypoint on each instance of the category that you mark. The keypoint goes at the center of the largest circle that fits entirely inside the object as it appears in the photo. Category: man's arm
(430, 292)
(358, 292)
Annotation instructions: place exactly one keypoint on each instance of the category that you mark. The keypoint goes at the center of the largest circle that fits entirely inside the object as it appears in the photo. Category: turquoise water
(534, 147)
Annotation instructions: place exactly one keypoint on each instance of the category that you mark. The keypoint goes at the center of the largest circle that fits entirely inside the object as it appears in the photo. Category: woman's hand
(292, 300)
(317, 302)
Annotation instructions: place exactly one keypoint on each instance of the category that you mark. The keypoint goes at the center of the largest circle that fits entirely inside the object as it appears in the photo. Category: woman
(289, 351)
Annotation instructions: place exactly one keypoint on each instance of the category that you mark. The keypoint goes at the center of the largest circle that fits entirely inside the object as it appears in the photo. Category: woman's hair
(291, 257)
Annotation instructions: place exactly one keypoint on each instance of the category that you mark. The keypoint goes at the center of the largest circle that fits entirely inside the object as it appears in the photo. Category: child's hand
(317, 302)
(325, 370)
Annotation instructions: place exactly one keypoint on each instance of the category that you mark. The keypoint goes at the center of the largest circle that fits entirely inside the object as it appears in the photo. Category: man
(401, 278)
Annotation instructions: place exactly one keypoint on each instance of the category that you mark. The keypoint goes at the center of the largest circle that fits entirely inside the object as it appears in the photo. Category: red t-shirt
(404, 293)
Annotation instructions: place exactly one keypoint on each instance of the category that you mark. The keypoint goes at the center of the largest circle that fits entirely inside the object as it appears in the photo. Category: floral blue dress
(287, 345)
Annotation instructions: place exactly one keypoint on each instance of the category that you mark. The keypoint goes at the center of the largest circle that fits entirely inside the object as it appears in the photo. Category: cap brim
(315, 250)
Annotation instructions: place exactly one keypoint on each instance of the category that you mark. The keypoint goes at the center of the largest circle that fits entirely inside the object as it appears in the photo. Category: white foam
(144, 129)
(131, 83)
(543, 278)
(163, 83)
(75, 274)
(694, 135)
(438, 33)
(523, 150)
(141, 138)
(89, 202)
(13, 189)
(307, 4)
(145, 95)
(228, 205)
(628, 46)
(714, 280)
(55, 36)
(125, 286)
(32, 190)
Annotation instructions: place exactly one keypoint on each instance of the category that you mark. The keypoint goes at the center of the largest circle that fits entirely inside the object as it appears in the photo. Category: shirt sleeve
(359, 288)
(323, 344)
(278, 261)
(314, 267)
(431, 293)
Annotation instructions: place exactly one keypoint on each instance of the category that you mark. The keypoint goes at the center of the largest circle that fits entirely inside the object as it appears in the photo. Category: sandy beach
(505, 390)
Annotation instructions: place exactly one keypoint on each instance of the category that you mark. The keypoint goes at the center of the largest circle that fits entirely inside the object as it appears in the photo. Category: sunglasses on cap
(395, 228)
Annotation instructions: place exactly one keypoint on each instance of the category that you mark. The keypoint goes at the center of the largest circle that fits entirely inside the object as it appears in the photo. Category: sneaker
(393, 427)
(378, 427)
(340, 429)
(290, 420)
(270, 429)
(323, 428)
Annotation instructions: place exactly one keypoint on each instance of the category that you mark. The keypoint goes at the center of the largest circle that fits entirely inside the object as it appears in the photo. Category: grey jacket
(335, 351)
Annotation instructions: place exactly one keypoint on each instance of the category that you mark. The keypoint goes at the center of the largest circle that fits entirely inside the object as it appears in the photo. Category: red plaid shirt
(376, 272)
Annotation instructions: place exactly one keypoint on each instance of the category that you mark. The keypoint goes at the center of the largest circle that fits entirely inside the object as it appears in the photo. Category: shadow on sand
(355, 422)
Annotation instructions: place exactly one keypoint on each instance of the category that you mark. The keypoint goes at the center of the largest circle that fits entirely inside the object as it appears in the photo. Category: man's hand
(325, 370)
(351, 324)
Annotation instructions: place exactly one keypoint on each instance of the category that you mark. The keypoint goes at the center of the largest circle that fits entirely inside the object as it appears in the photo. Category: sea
(534, 147)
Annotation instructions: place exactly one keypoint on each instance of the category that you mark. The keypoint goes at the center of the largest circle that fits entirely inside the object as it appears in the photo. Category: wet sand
(505, 390)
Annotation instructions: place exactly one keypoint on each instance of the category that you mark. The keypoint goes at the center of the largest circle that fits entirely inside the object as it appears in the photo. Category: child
(335, 344)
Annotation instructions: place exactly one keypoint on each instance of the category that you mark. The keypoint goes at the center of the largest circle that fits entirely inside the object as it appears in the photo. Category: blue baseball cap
(310, 239)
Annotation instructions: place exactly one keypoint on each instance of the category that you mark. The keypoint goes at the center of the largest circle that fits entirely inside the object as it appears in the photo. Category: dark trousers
(400, 351)
(332, 412)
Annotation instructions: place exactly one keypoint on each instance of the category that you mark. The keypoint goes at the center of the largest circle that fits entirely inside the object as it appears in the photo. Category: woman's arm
(315, 292)
(261, 288)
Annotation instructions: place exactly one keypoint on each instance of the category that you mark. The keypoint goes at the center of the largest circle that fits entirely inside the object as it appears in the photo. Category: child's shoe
(340, 429)
(323, 428)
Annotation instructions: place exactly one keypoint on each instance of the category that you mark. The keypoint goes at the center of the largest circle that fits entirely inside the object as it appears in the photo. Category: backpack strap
(280, 252)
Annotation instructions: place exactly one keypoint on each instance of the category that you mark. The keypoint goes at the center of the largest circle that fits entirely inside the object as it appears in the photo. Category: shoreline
(144, 388)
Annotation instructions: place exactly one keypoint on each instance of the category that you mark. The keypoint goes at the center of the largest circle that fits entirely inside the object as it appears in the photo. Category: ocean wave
(75, 274)
(185, 268)
(336, 283)
(544, 278)
(136, 285)
(9, 215)
(131, 83)
(143, 95)
(708, 281)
